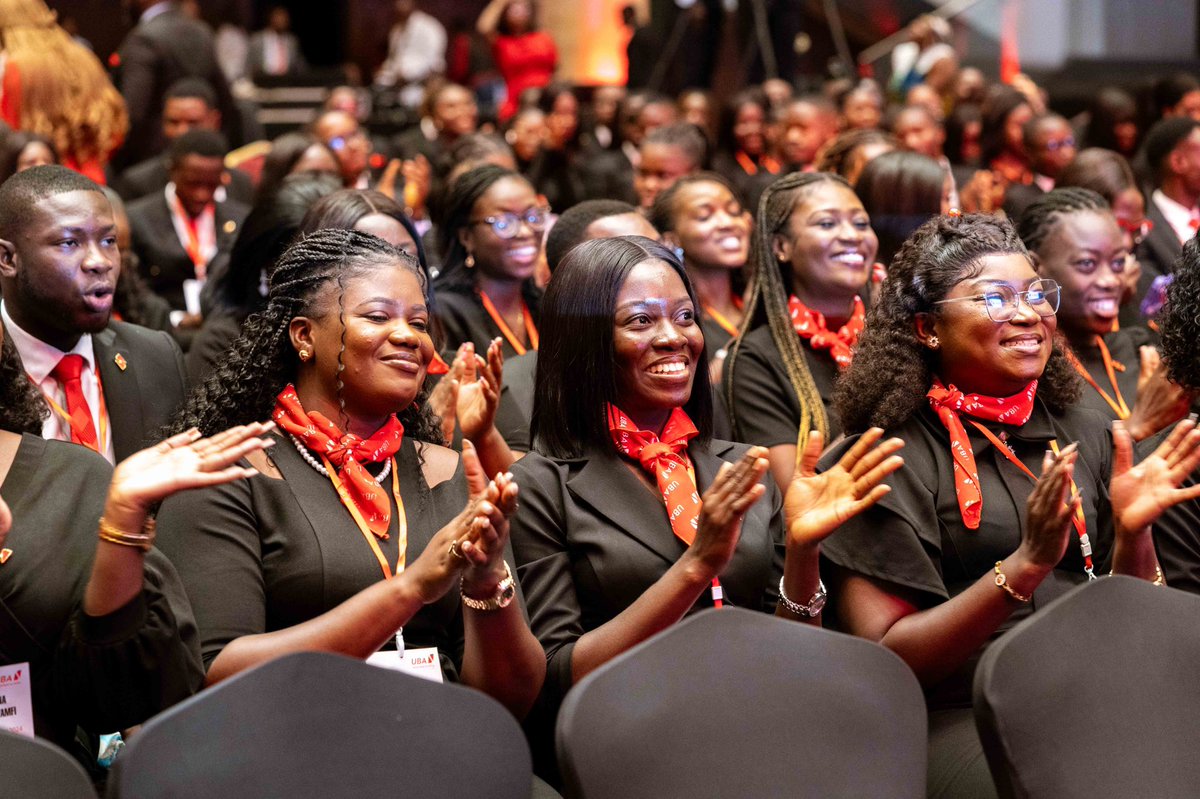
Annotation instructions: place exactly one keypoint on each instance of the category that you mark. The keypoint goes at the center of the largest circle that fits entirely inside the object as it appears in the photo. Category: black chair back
(1096, 695)
(314, 724)
(35, 769)
(736, 703)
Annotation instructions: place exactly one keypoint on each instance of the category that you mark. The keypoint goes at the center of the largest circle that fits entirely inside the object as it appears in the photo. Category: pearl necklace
(311, 460)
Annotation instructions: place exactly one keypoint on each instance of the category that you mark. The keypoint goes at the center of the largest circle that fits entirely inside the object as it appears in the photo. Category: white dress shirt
(39, 360)
(1181, 219)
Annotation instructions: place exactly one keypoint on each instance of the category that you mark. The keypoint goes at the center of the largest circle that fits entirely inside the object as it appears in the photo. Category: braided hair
(771, 282)
(243, 387)
(940, 254)
(1042, 216)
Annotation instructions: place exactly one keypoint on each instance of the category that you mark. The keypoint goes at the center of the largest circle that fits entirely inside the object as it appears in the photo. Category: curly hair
(1179, 320)
(243, 387)
(66, 95)
(941, 253)
(22, 409)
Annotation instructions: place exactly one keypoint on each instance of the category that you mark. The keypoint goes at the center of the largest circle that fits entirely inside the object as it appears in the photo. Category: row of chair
(1095, 695)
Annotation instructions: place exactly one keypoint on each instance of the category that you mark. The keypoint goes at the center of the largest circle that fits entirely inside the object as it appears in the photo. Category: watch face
(817, 604)
(506, 596)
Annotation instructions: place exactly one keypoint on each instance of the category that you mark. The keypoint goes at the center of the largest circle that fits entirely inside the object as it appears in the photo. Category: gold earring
(305, 355)
(934, 343)
(470, 262)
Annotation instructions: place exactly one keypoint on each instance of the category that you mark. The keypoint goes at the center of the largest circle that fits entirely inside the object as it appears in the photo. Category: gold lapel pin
(230, 226)
(119, 360)
(5, 554)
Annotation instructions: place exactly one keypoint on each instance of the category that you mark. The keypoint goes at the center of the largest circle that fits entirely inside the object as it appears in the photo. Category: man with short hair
(1172, 149)
(665, 155)
(179, 231)
(1050, 144)
(349, 143)
(111, 386)
(803, 126)
(190, 104)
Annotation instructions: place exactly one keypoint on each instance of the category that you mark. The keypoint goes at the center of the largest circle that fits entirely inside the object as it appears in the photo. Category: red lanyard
(401, 519)
(721, 319)
(513, 341)
(193, 238)
(1085, 544)
(1118, 404)
(750, 168)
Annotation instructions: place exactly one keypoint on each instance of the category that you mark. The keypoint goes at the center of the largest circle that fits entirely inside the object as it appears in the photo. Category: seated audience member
(1002, 138)
(1050, 145)
(1172, 149)
(804, 126)
(416, 52)
(359, 524)
(964, 133)
(1112, 122)
(813, 256)
(133, 301)
(491, 239)
(778, 92)
(603, 565)
(525, 132)
(449, 114)
(1177, 533)
(341, 133)
(600, 123)
(103, 625)
(847, 153)
(667, 154)
(860, 107)
(901, 191)
(556, 171)
(958, 360)
(743, 150)
(239, 290)
(1177, 95)
(1108, 174)
(291, 154)
(179, 231)
(20, 151)
(189, 104)
(112, 386)
(591, 219)
(695, 107)
(275, 51)
(1074, 240)
(919, 131)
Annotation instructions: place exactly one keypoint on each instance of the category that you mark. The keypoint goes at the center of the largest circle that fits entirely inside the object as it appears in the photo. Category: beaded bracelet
(143, 540)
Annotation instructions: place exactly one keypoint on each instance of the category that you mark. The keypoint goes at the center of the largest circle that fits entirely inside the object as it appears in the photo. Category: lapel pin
(230, 226)
(5, 554)
(119, 360)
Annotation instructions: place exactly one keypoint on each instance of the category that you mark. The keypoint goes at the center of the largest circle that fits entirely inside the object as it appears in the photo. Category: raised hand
(1141, 493)
(817, 504)
(478, 390)
(185, 461)
(1049, 510)
(735, 488)
(1159, 401)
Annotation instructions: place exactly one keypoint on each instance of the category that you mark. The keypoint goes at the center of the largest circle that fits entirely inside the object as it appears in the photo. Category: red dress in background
(525, 61)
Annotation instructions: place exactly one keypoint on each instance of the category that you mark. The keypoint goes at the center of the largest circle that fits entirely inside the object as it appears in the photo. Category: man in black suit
(190, 104)
(1172, 149)
(179, 231)
(166, 45)
(275, 50)
(111, 386)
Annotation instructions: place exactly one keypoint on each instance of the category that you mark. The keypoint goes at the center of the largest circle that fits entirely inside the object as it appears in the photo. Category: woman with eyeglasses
(1010, 493)
(1074, 240)
(491, 240)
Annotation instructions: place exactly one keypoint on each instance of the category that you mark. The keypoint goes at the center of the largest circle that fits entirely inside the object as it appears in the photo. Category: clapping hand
(1159, 401)
(1049, 510)
(477, 390)
(736, 487)
(817, 504)
(1141, 493)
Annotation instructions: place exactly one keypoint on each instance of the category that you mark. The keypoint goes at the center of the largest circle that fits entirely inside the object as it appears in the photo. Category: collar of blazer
(610, 488)
(122, 391)
(1162, 242)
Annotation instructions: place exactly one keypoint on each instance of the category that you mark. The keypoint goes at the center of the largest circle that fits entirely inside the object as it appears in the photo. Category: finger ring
(455, 552)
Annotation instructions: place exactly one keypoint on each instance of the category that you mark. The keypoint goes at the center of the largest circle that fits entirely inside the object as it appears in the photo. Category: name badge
(16, 701)
(423, 663)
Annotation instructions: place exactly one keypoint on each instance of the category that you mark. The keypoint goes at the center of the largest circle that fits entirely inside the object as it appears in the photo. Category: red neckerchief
(345, 452)
(810, 325)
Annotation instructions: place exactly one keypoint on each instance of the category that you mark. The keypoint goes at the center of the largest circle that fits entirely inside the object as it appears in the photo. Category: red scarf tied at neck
(810, 324)
(948, 403)
(345, 452)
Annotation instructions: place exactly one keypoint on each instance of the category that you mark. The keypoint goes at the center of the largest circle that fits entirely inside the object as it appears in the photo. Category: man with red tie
(1172, 149)
(109, 386)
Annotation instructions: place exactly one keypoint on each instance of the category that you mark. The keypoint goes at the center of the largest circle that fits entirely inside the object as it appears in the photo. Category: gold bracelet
(1159, 579)
(143, 540)
(1002, 581)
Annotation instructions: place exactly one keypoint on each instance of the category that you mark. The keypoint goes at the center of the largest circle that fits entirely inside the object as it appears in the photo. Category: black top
(1123, 348)
(590, 538)
(718, 339)
(465, 319)
(265, 554)
(915, 538)
(102, 673)
(765, 409)
(218, 333)
(516, 401)
(1177, 531)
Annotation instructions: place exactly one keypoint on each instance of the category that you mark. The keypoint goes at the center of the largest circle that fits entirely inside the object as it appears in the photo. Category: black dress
(465, 319)
(914, 538)
(101, 673)
(1123, 349)
(718, 339)
(765, 408)
(264, 554)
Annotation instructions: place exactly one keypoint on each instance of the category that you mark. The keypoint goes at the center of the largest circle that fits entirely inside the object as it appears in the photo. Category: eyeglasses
(339, 143)
(1138, 231)
(1002, 302)
(508, 225)
(1054, 145)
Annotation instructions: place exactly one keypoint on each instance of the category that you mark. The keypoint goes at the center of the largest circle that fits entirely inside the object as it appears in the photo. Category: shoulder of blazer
(150, 210)
(156, 344)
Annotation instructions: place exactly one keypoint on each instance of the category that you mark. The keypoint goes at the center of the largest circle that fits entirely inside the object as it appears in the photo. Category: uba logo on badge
(8, 679)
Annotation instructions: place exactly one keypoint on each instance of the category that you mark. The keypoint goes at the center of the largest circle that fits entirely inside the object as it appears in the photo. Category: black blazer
(154, 55)
(1157, 253)
(152, 175)
(142, 397)
(164, 262)
(516, 401)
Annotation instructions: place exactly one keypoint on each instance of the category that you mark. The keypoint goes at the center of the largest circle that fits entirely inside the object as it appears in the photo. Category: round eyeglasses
(1001, 302)
(508, 224)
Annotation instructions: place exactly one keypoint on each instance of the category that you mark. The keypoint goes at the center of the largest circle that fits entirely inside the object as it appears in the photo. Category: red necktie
(67, 373)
